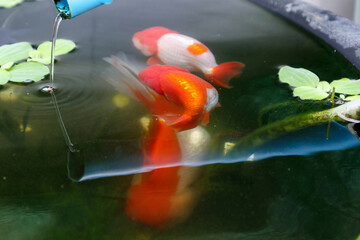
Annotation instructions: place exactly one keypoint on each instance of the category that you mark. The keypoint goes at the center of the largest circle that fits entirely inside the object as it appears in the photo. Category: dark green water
(289, 197)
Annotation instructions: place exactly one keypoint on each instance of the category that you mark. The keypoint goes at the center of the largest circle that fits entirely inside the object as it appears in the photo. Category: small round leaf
(28, 71)
(310, 93)
(4, 76)
(298, 77)
(62, 46)
(346, 86)
(324, 86)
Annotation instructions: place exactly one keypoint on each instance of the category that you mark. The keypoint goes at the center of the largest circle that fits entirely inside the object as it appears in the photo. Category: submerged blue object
(107, 158)
(72, 8)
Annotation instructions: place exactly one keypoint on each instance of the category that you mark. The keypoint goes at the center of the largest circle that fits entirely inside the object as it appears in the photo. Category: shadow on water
(305, 187)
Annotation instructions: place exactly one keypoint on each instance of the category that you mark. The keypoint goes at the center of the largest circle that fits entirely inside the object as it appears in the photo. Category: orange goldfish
(171, 48)
(165, 195)
(195, 96)
(176, 96)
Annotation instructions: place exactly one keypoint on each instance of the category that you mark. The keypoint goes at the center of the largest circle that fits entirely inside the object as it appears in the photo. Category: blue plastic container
(72, 8)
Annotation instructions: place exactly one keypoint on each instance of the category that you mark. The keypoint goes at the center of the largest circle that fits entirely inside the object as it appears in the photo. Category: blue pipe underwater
(72, 8)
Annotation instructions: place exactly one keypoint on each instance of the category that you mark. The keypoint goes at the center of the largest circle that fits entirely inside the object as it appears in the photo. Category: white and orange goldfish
(172, 48)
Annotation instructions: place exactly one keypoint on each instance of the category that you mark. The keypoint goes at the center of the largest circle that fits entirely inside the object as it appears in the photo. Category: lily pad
(28, 71)
(14, 52)
(346, 86)
(9, 3)
(43, 52)
(4, 76)
(310, 93)
(298, 77)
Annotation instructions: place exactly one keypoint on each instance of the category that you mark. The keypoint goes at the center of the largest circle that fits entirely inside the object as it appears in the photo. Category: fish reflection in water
(165, 195)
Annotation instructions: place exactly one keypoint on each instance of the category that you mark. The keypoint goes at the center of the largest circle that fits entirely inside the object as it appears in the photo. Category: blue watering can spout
(72, 8)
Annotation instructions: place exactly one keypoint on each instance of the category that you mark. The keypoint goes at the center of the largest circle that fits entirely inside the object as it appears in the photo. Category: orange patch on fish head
(197, 49)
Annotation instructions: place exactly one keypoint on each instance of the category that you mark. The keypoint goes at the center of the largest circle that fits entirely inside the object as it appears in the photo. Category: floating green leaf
(62, 46)
(14, 52)
(35, 54)
(4, 76)
(7, 66)
(352, 98)
(346, 86)
(324, 86)
(43, 52)
(310, 93)
(28, 71)
(298, 77)
(9, 3)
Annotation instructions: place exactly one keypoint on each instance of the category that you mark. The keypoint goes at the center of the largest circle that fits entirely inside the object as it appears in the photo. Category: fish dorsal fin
(129, 78)
(154, 60)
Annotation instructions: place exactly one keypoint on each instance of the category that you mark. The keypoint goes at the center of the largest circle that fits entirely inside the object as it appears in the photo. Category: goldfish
(167, 194)
(195, 96)
(172, 48)
(173, 94)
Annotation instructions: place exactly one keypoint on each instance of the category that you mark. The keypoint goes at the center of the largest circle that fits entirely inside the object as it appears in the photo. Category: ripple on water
(78, 97)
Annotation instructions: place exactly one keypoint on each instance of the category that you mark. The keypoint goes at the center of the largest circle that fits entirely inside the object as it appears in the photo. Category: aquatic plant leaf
(43, 53)
(35, 54)
(40, 60)
(298, 77)
(14, 52)
(346, 86)
(310, 93)
(352, 98)
(4, 76)
(9, 3)
(62, 46)
(324, 86)
(28, 71)
(7, 66)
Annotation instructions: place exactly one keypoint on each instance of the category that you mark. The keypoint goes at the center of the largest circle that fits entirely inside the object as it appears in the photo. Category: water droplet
(4, 178)
(47, 89)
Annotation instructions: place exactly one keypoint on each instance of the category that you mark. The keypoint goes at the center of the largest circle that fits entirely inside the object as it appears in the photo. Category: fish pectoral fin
(154, 60)
(205, 119)
(176, 121)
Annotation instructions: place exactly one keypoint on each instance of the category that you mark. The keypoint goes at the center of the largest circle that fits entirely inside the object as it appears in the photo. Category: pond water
(283, 196)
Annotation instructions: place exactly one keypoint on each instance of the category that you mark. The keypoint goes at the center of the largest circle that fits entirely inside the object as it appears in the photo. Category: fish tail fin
(223, 73)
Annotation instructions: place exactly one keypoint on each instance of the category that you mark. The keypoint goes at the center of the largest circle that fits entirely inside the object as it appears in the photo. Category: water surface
(285, 197)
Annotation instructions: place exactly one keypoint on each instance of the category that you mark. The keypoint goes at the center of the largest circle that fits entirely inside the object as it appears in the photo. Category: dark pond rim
(321, 23)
